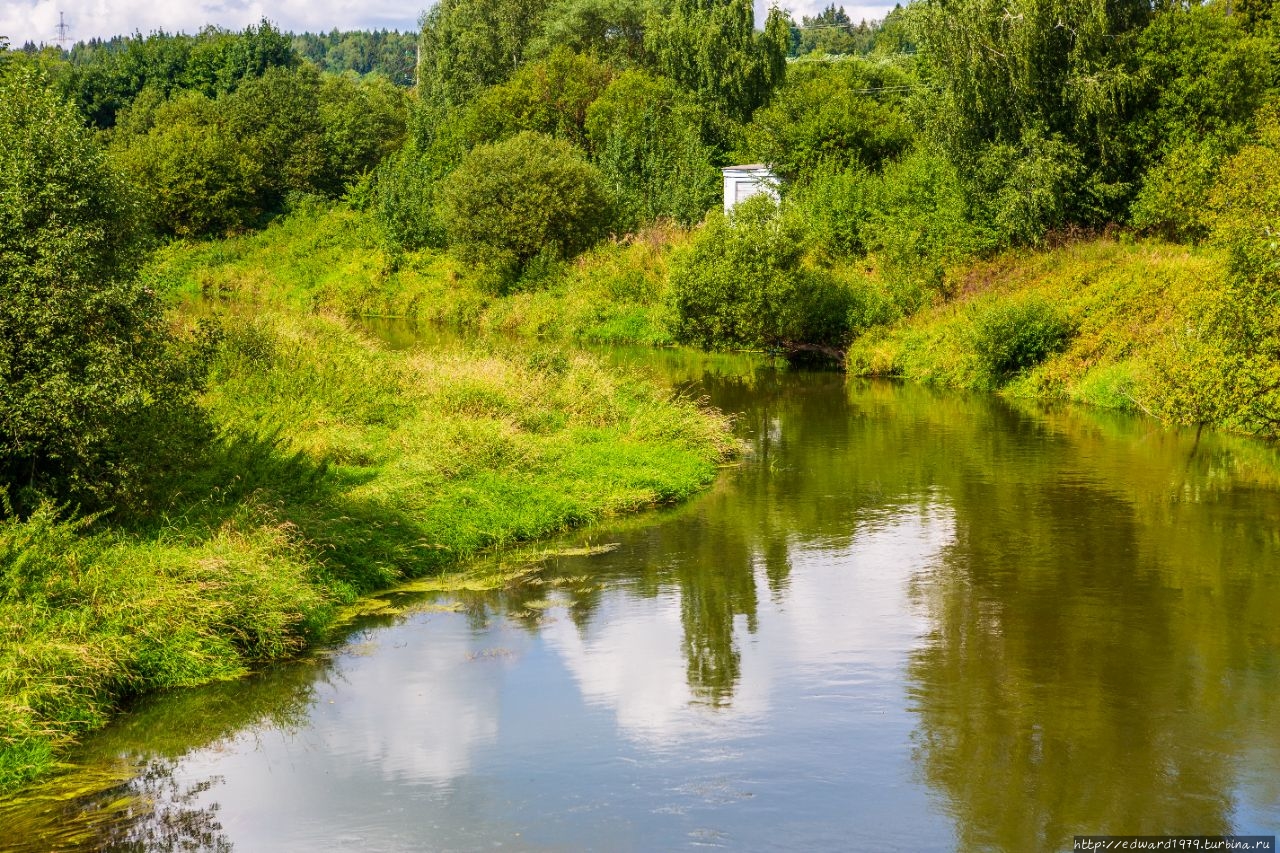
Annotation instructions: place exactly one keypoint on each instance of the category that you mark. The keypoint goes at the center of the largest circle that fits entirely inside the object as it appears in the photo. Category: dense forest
(513, 147)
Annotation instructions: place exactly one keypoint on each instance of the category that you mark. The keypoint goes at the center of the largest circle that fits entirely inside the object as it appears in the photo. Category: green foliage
(1028, 189)
(711, 48)
(388, 54)
(830, 116)
(86, 367)
(104, 77)
(1203, 76)
(832, 32)
(1010, 336)
(528, 196)
(741, 283)
(551, 97)
(404, 200)
(644, 134)
(836, 207)
(215, 166)
(612, 30)
(1174, 198)
(1224, 366)
(468, 45)
(199, 176)
(920, 220)
(1055, 66)
(364, 123)
(278, 115)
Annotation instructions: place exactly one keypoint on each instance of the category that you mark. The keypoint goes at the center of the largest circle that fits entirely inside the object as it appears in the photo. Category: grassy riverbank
(1097, 321)
(1083, 322)
(339, 467)
(336, 259)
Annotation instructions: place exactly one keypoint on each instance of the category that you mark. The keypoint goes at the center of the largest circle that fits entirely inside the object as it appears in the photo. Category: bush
(364, 122)
(826, 118)
(199, 178)
(513, 201)
(1030, 188)
(919, 219)
(835, 205)
(1174, 199)
(645, 135)
(1010, 336)
(552, 97)
(85, 367)
(1225, 367)
(740, 283)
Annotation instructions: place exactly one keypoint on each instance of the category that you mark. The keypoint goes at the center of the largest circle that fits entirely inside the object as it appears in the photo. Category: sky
(37, 20)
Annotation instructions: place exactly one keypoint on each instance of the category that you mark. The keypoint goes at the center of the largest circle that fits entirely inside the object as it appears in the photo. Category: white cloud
(37, 20)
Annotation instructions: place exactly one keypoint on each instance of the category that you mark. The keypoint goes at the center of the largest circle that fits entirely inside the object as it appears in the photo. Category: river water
(909, 620)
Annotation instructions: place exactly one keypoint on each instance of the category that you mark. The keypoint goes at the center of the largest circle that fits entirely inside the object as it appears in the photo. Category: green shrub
(919, 220)
(552, 97)
(1027, 189)
(364, 123)
(1173, 201)
(835, 206)
(827, 117)
(1010, 336)
(86, 362)
(1225, 366)
(199, 178)
(645, 136)
(740, 283)
(530, 195)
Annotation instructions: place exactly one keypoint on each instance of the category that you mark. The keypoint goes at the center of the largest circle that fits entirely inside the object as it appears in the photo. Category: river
(908, 620)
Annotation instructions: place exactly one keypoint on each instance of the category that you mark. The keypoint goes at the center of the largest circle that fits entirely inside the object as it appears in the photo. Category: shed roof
(747, 167)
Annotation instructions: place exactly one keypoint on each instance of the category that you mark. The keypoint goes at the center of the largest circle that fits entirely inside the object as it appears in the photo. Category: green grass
(1119, 299)
(333, 259)
(340, 468)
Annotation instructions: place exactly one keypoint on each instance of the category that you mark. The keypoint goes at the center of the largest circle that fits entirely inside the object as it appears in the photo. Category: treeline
(388, 53)
(833, 33)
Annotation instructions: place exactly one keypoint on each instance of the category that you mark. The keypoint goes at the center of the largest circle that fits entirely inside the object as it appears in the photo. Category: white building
(742, 182)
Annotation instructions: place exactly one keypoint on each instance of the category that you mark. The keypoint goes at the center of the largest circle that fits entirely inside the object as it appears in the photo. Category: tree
(278, 115)
(1056, 70)
(363, 121)
(528, 196)
(551, 97)
(611, 30)
(83, 344)
(104, 77)
(198, 176)
(831, 116)
(711, 48)
(741, 283)
(644, 134)
(470, 44)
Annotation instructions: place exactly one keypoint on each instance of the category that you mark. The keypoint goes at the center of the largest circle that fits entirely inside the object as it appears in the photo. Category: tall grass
(1079, 322)
(340, 467)
(333, 259)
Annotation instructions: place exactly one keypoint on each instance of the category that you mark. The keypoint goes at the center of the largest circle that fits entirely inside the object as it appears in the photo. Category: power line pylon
(63, 29)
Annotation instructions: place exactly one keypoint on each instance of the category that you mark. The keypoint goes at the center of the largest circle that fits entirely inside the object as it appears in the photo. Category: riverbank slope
(1089, 322)
(335, 467)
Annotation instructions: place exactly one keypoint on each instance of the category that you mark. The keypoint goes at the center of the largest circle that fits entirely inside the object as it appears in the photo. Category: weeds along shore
(335, 467)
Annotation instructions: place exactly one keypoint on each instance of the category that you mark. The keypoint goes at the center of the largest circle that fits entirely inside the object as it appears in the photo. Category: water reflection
(907, 620)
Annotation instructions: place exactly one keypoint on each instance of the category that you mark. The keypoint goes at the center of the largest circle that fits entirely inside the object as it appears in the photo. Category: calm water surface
(908, 621)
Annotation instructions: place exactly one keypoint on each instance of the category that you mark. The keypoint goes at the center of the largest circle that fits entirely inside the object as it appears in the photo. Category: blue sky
(36, 20)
